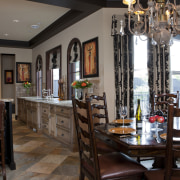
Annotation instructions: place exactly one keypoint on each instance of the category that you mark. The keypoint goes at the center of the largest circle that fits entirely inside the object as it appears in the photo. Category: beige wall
(21, 55)
(98, 25)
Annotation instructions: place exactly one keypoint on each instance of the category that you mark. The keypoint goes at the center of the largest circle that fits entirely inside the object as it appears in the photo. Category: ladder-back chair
(172, 152)
(94, 166)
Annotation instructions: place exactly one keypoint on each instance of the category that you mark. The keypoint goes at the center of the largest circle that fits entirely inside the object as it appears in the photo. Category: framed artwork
(8, 74)
(90, 58)
(23, 72)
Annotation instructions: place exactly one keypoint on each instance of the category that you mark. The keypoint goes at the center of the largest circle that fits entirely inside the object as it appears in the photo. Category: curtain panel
(158, 70)
(158, 66)
(123, 66)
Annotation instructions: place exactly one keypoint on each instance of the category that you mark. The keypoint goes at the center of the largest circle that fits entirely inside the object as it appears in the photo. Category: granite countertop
(54, 101)
(7, 100)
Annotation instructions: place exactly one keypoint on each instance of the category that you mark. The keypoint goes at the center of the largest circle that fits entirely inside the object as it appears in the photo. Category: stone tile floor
(39, 157)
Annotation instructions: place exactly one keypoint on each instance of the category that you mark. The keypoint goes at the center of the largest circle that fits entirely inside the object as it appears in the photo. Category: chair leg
(81, 176)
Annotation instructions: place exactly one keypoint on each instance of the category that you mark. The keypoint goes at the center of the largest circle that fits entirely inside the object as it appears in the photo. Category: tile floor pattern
(39, 157)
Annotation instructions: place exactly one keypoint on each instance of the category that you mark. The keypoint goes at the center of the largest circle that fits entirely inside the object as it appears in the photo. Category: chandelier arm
(129, 26)
(129, 22)
(140, 6)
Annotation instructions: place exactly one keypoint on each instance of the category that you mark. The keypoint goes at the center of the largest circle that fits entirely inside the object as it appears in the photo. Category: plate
(163, 136)
(120, 121)
(121, 130)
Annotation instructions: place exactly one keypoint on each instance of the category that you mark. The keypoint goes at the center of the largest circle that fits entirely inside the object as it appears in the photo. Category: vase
(80, 94)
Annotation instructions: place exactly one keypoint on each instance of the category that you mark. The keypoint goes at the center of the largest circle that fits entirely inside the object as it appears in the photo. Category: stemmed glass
(123, 112)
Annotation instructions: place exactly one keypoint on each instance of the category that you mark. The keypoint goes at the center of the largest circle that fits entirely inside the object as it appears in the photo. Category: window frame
(70, 76)
(49, 72)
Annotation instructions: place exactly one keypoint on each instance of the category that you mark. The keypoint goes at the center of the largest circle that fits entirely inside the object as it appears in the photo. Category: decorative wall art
(8, 74)
(90, 58)
(23, 72)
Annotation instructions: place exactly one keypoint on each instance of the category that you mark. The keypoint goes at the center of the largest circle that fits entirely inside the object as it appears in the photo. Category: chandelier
(159, 21)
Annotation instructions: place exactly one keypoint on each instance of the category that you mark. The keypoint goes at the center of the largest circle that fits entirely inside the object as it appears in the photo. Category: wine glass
(123, 112)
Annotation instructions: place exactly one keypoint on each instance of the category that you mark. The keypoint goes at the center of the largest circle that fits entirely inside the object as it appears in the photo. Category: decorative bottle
(138, 116)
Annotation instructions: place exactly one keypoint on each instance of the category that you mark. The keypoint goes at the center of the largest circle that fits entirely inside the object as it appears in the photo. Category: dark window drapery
(123, 67)
(158, 67)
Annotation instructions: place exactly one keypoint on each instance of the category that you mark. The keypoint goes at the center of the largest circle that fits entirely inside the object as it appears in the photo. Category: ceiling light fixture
(159, 21)
(16, 20)
(35, 26)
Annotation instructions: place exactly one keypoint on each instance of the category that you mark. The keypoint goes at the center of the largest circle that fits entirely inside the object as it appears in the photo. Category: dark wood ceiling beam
(62, 23)
(14, 44)
(81, 5)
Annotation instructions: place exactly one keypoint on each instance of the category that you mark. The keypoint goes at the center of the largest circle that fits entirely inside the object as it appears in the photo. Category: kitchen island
(49, 116)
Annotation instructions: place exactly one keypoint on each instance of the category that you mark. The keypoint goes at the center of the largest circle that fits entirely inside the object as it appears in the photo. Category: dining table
(148, 141)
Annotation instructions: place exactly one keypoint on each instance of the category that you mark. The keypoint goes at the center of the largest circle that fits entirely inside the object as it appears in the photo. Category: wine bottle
(138, 116)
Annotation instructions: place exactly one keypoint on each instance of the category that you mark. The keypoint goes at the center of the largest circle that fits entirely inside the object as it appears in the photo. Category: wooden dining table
(144, 142)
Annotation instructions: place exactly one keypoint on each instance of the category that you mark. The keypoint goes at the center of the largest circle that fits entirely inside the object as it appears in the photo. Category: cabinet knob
(62, 134)
(62, 121)
(62, 110)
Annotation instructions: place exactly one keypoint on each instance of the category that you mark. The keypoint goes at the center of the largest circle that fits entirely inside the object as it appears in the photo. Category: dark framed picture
(90, 58)
(23, 72)
(8, 74)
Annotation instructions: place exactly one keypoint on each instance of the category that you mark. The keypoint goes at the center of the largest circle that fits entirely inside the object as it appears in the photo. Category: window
(141, 88)
(174, 66)
(55, 82)
(74, 56)
(53, 70)
(39, 76)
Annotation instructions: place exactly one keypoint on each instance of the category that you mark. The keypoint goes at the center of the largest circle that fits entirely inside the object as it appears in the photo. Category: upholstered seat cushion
(159, 174)
(121, 166)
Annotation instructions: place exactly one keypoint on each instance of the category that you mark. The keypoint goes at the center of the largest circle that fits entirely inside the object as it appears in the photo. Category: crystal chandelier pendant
(162, 17)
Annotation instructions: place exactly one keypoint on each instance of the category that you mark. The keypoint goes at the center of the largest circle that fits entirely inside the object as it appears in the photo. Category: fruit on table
(156, 116)
(160, 119)
(152, 119)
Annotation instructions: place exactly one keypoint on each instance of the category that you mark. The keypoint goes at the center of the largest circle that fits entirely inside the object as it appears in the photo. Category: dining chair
(161, 101)
(2, 145)
(169, 172)
(100, 115)
(114, 165)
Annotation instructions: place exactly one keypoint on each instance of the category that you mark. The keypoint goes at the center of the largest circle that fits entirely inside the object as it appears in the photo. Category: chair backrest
(171, 149)
(86, 138)
(99, 109)
(161, 101)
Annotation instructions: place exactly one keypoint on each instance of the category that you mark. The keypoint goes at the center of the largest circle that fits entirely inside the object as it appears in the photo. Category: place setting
(122, 129)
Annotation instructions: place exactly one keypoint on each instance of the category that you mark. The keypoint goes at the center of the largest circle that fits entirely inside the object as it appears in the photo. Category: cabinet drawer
(34, 105)
(28, 104)
(63, 135)
(45, 109)
(63, 121)
(52, 109)
(45, 128)
(44, 119)
(62, 110)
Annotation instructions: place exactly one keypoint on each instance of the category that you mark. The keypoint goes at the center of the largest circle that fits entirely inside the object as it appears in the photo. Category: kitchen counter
(55, 101)
(49, 116)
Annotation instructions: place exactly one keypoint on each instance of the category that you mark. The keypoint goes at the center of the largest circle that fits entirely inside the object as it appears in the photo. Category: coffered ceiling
(27, 23)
